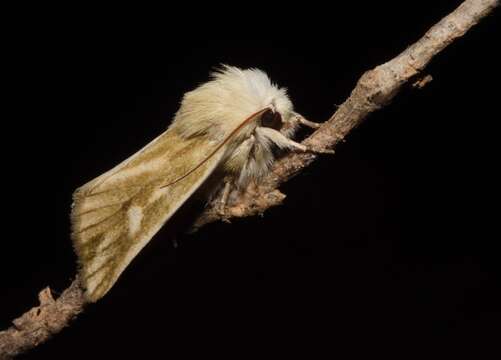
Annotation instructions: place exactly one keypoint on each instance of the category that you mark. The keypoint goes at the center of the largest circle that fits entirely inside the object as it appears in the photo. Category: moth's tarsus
(308, 123)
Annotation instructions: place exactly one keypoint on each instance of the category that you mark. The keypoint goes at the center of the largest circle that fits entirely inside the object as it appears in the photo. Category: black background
(390, 244)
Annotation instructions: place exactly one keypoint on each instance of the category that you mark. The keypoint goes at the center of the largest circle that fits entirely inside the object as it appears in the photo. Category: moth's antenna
(245, 122)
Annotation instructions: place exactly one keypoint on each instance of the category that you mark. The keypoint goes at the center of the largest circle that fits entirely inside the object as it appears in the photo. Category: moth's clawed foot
(309, 123)
(299, 119)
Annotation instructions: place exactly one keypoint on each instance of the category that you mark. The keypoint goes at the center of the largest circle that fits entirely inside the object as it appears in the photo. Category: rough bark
(375, 89)
(38, 325)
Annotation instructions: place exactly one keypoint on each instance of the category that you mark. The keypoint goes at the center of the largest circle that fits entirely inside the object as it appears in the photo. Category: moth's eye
(271, 119)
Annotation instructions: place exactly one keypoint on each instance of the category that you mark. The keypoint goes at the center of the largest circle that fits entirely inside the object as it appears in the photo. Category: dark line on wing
(109, 190)
(103, 283)
(99, 222)
(113, 244)
(94, 273)
(99, 208)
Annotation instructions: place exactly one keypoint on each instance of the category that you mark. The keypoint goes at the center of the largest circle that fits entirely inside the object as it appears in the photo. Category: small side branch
(38, 325)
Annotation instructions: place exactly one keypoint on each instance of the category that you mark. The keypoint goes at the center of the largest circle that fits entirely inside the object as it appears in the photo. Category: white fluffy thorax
(222, 104)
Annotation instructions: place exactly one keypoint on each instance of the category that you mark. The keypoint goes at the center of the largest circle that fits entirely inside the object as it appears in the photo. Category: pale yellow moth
(230, 124)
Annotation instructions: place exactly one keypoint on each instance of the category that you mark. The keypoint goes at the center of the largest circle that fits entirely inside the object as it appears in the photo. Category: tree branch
(375, 89)
(38, 325)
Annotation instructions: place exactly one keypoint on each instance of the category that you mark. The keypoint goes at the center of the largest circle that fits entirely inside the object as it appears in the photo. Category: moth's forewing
(115, 215)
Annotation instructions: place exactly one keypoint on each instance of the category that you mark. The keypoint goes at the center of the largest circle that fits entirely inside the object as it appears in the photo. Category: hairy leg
(284, 142)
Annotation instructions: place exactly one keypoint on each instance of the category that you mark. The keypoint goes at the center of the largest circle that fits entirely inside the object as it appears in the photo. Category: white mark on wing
(157, 194)
(135, 215)
(153, 165)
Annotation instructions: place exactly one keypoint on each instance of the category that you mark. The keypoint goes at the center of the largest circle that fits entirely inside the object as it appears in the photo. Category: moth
(231, 124)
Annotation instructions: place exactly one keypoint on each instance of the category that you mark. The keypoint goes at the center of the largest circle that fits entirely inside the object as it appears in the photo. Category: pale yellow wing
(115, 215)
